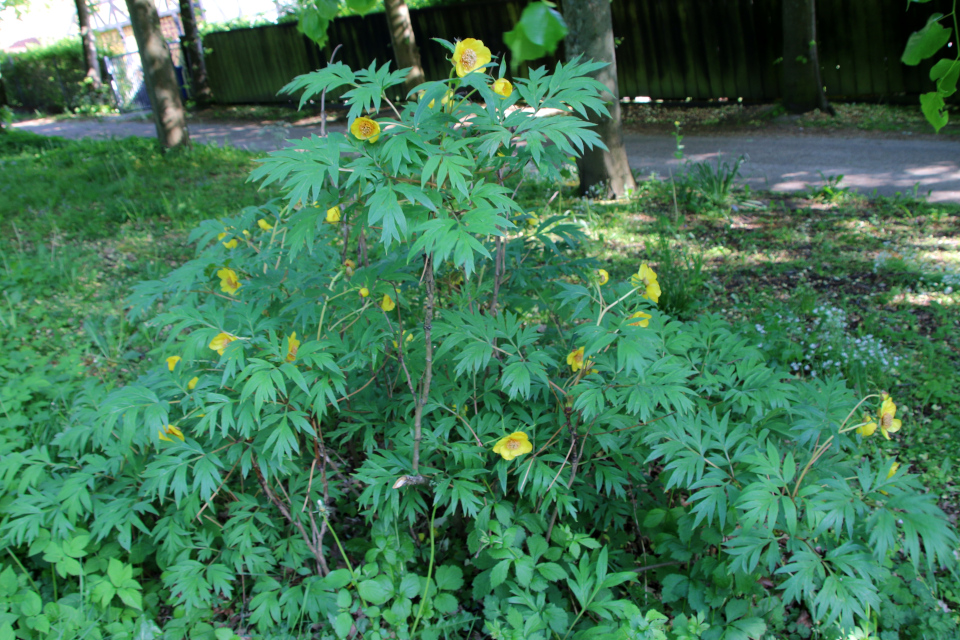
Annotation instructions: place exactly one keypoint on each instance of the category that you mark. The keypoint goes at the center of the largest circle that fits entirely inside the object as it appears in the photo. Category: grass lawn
(827, 282)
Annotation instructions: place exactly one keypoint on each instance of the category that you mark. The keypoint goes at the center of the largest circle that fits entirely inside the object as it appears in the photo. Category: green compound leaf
(946, 73)
(926, 42)
(934, 108)
(539, 31)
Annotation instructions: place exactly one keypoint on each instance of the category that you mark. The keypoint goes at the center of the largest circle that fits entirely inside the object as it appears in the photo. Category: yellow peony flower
(575, 359)
(469, 55)
(231, 245)
(333, 214)
(263, 224)
(644, 319)
(503, 87)
(170, 430)
(869, 426)
(365, 129)
(364, 292)
(515, 444)
(221, 236)
(888, 422)
(221, 340)
(228, 280)
(349, 266)
(646, 278)
(193, 383)
(293, 345)
(387, 304)
(893, 469)
(603, 275)
(172, 362)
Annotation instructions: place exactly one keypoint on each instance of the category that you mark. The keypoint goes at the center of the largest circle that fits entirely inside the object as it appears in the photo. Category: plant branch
(428, 370)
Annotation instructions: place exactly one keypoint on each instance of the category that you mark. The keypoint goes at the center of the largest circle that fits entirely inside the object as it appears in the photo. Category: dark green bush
(50, 79)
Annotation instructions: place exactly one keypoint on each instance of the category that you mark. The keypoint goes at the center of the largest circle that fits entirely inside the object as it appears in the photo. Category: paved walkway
(777, 162)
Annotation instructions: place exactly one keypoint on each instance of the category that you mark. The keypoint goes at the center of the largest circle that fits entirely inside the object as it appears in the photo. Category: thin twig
(428, 370)
(323, 97)
(277, 502)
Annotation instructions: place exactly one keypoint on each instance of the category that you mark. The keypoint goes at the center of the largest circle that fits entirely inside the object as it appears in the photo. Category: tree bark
(158, 74)
(89, 46)
(202, 94)
(404, 45)
(590, 24)
(802, 87)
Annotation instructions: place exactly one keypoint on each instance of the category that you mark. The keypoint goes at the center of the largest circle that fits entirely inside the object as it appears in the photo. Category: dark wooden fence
(666, 49)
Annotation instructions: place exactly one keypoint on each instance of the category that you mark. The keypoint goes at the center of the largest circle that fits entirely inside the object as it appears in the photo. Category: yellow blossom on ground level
(888, 422)
(228, 280)
(387, 304)
(231, 245)
(170, 430)
(263, 224)
(869, 426)
(246, 234)
(365, 129)
(644, 319)
(193, 383)
(470, 54)
(575, 359)
(364, 292)
(221, 236)
(172, 362)
(603, 275)
(221, 340)
(515, 444)
(890, 474)
(293, 345)
(503, 87)
(333, 214)
(646, 279)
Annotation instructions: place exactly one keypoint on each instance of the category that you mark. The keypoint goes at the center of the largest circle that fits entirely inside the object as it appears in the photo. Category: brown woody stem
(428, 370)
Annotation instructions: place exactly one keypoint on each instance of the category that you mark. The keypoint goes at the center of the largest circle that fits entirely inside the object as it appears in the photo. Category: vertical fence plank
(860, 39)
(750, 54)
(655, 85)
(698, 85)
(829, 41)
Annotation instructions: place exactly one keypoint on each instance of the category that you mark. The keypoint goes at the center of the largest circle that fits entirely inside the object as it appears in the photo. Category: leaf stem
(428, 371)
(426, 584)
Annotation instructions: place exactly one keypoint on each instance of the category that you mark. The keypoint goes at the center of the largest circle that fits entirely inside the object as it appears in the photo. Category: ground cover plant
(531, 422)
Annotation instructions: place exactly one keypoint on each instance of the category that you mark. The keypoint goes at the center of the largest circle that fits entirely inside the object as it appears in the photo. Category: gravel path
(868, 163)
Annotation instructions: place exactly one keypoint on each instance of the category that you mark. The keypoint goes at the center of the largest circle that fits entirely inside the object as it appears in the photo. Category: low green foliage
(85, 189)
(52, 79)
(365, 411)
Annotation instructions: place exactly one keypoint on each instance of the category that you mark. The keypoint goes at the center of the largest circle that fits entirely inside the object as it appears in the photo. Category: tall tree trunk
(89, 46)
(198, 68)
(591, 34)
(802, 87)
(158, 74)
(404, 44)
